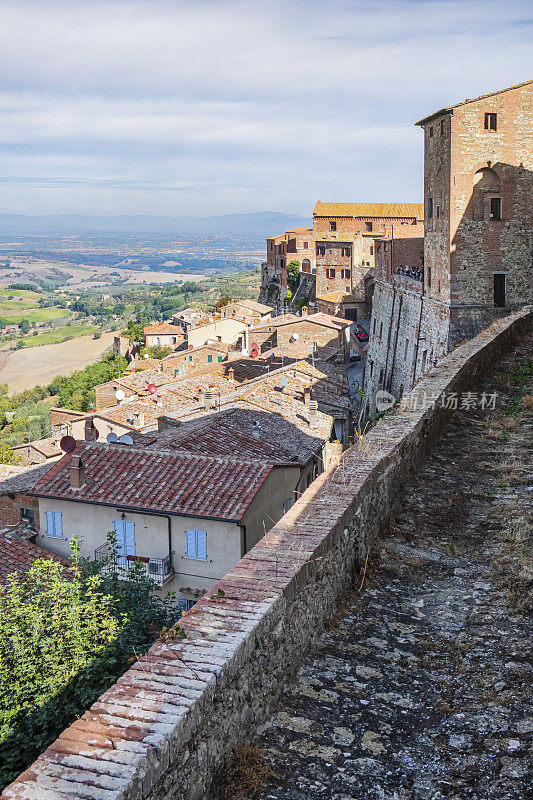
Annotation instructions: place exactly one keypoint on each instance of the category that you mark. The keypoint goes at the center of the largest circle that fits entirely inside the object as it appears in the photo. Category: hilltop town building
(338, 252)
(478, 190)
(163, 509)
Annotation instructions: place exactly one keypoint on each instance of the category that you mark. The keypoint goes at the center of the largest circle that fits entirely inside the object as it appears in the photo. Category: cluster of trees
(67, 634)
(293, 278)
(76, 391)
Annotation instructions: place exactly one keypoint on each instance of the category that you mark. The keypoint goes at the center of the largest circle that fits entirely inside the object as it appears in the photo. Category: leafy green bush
(66, 635)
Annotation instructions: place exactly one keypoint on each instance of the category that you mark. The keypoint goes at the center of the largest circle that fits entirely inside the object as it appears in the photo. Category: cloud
(267, 105)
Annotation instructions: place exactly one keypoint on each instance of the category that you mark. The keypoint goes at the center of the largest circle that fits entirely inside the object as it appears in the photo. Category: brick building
(345, 246)
(478, 190)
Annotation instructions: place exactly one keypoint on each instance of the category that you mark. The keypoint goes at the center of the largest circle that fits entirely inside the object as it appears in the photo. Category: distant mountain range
(259, 224)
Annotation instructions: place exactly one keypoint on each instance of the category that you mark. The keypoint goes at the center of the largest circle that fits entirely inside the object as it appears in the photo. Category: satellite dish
(68, 444)
(283, 382)
(152, 388)
(120, 394)
(146, 355)
(125, 439)
(112, 438)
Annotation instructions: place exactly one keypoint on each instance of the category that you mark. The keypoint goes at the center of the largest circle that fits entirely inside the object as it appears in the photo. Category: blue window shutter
(129, 529)
(219, 358)
(120, 549)
(201, 545)
(190, 548)
(50, 523)
(58, 528)
(209, 359)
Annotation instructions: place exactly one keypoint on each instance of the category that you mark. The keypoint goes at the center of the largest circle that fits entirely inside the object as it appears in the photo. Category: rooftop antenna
(67, 444)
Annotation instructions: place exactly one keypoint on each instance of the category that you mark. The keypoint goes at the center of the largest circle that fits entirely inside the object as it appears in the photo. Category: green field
(34, 316)
(58, 335)
(22, 293)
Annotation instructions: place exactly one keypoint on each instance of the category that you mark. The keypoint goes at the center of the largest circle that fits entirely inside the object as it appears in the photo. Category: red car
(361, 334)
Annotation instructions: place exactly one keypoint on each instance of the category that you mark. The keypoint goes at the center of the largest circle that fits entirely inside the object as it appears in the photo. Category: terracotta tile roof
(48, 447)
(300, 230)
(326, 320)
(447, 109)
(19, 479)
(164, 327)
(128, 476)
(253, 305)
(337, 297)
(232, 429)
(379, 210)
(18, 555)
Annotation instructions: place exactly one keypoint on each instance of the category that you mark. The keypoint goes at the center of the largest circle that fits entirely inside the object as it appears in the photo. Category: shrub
(66, 634)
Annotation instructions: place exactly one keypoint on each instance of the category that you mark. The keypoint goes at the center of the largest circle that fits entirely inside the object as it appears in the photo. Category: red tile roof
(123, 475)
(18, 555)
(164, 327)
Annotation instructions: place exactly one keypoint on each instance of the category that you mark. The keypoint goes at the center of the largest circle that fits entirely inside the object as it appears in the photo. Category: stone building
(478, 241)
(345, 235)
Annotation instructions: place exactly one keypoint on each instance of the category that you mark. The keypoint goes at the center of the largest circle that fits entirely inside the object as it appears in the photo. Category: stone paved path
(420, 687)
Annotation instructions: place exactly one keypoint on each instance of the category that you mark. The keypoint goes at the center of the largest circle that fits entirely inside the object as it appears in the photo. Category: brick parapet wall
(166, 727)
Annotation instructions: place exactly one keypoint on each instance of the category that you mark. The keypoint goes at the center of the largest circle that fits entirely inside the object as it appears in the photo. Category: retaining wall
(166, 727)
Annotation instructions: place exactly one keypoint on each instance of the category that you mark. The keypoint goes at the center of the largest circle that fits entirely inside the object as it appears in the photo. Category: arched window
(306, 265)
(486, 195)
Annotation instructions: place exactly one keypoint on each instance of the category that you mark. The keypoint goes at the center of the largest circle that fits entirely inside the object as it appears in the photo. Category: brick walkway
(419, 690)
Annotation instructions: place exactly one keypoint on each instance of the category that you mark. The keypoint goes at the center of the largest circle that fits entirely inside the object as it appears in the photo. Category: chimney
(231, 374)
(77, 472)
(139, 420)
(305, 311)
(313, 408)
(307, 395)
(90, 432)
(208, 399)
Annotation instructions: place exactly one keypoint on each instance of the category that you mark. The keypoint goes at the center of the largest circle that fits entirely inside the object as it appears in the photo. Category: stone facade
(171, 721)
(478, 189)
(478, 241)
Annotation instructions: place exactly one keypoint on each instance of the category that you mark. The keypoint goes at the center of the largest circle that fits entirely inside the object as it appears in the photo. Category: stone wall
(166, 727)
(408, 334)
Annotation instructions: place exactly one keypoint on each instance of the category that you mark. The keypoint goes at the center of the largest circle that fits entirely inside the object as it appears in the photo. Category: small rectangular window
(491, 121)
(330, 273)
(332, 225)
(371, 251)
(429, 276)
(287, 504)
(380, 330)
(196, 544)
(321, 250)
(430, 208)
(54, 527)
(495, 208)
(442, 127)
(368, 226)
(406, 350)
(219, 358)
(499, 291)
(438, 212)
(431, 133)
(306, 245)
(209, 359)
(190, 358)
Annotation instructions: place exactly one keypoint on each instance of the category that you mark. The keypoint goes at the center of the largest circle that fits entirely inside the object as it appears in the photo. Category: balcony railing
(160, 570)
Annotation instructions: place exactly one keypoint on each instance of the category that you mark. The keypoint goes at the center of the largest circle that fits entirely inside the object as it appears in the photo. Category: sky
(212, 107)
